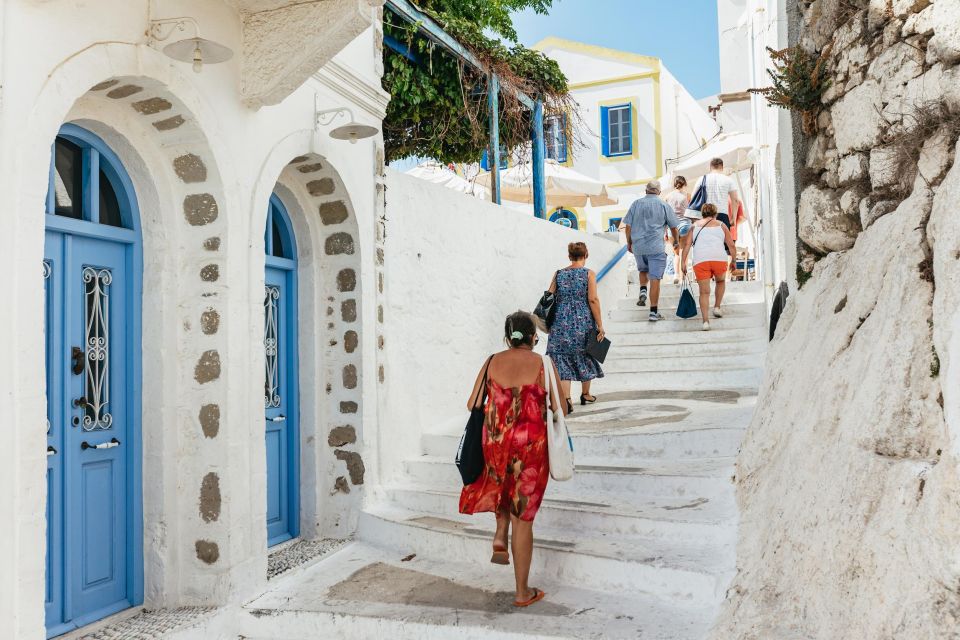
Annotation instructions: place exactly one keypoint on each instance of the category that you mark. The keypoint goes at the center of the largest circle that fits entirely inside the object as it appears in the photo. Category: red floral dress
(515, 453)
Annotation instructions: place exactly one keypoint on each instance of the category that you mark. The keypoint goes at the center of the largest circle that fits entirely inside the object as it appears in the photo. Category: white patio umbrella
(735, 149)
(437, 173)
(565, 187)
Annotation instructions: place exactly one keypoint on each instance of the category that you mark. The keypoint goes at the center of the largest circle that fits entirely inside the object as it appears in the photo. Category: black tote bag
(469, 458)
(546, 308)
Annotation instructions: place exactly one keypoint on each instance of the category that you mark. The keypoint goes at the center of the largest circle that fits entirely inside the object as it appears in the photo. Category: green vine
(799, 80)
(438, 106)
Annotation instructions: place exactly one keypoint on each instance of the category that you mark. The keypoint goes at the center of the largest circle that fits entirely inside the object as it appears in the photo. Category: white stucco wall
(52, 55)
(457, 267)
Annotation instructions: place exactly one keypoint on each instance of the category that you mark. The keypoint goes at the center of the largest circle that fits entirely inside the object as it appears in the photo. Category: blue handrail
(613, 262)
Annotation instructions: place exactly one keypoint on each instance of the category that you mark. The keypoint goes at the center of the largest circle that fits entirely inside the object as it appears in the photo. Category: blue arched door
(92, 271)
(281, 386)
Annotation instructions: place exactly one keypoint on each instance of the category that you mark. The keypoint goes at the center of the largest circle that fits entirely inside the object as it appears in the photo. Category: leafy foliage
(438, 106)
(799, 80)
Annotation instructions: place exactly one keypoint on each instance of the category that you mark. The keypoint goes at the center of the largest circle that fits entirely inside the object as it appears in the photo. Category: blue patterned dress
(572, 327)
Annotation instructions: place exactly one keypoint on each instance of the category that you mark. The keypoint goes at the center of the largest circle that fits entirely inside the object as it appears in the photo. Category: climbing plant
(438, 106)
(799, 80)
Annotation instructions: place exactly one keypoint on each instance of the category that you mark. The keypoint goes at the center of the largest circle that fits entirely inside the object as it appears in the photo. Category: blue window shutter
(485, 161)
(605, 130)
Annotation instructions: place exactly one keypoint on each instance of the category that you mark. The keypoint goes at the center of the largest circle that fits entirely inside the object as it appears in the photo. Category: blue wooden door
(91, 278)
(281, 387)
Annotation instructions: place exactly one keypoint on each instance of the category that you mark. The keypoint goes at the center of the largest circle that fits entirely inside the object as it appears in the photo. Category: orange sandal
(537, 596)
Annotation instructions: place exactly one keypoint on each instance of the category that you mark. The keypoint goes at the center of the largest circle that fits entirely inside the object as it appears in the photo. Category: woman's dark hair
(523, 323)
(679, 182)
(708, 210)
(577, 250)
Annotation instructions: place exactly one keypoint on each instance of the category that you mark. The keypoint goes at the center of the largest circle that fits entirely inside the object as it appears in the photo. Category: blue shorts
(684, 227)
(652, 264)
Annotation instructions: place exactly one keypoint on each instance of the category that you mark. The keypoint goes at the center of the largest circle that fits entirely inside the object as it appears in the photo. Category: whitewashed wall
(457, 267)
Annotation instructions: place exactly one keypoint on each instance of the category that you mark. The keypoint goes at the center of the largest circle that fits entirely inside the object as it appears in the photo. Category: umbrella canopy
(565, 187)
(734, 148)
(439, 174)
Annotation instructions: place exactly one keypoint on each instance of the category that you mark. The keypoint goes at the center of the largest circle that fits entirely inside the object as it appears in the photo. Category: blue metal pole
(539, 158)
(493, 97)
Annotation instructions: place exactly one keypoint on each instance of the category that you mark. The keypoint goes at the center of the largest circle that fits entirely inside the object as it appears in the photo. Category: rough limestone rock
(823, 225)
(944, 46)
(847, 478)
(853, 168)
(884, 167)
(857, 122)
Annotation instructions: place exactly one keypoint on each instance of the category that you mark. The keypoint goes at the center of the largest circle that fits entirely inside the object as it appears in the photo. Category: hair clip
(516, 335)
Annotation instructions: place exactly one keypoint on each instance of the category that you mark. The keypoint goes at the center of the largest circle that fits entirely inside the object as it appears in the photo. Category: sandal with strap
(537, 596)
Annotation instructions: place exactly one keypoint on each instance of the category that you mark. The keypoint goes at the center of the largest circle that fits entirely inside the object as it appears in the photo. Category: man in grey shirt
(645, 223)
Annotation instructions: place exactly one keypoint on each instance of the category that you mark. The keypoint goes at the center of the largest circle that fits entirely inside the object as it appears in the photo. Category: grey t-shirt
(648, 217)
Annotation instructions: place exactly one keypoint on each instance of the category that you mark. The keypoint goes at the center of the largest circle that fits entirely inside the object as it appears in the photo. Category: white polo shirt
(719, 187)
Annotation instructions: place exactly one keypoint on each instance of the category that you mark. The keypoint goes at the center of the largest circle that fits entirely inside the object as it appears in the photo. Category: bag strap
(548, 384)
(698, 235)
(483, 386)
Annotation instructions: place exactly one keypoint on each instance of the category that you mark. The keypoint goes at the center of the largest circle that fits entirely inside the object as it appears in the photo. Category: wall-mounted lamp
(351, 131)
(196, 50)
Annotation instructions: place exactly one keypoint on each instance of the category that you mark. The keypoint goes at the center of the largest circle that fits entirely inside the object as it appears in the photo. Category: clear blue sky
(682, 33)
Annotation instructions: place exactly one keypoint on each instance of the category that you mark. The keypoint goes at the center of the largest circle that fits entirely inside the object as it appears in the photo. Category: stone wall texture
(847, 478)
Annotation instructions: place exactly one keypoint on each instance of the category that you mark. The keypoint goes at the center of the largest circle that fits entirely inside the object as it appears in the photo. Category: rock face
(849, 475)
(823, 225)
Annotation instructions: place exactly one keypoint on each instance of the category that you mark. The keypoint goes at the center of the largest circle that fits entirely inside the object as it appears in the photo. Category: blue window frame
(555, 137)
(616, 130)
(565, 218)
(485, 160)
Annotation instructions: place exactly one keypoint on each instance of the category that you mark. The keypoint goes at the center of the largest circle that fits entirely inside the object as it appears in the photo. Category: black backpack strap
(483, 386)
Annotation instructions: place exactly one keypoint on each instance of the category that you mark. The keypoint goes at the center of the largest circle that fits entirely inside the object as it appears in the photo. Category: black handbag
(546, 309)
(469, 458)
(597, 349)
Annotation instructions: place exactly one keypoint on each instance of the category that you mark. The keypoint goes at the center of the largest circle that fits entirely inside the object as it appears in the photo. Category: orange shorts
(716, 269)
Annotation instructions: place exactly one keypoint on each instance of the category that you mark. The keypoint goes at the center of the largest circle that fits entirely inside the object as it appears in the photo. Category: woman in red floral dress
(514, 448)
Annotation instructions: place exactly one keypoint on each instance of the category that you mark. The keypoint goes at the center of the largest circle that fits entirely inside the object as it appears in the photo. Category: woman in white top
(708, 244)
(678, 199)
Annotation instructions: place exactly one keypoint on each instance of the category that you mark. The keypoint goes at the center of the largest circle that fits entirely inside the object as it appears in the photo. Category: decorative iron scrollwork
(97, 340)
(271, 384)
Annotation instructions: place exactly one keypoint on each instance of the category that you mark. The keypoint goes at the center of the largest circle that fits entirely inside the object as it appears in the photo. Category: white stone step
(734, 318)
(622, 364)
(696, 522)
(747, 379)
(643, 479)
(367, 591)
(670, 300)
(642, 333)
(735, 290)
(664, 568)
(756, 347)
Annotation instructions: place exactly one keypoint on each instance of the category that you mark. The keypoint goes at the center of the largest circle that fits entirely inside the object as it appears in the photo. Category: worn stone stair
(639, 544)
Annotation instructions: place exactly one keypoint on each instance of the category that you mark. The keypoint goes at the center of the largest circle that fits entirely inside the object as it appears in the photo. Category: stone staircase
(640, 543)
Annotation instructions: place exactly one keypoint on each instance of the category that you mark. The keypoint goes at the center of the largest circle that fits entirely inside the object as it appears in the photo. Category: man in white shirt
(721, 191)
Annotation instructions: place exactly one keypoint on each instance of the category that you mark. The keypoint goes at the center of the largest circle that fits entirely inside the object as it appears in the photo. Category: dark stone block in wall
(210, 420)
(350, 341)
(208, 367)
(333, 212)
(210, 273)
(125, 91)
(340, 436)
(322, 187)
(354, 465)
(210, 322)
(210, 497)
(339, 244)
(350, 377)
(190, 168)
(346, 280)
(106, 84)
(348, 310)
(169, 123)
(310, 168)
(207, 551)
(200, 209)
(151, 106)
(212, 244)
(348, 407)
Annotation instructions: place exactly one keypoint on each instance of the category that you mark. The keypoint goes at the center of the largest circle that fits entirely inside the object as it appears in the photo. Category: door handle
(277, 419)
(103, 445)
(76, 361)
(51, 451)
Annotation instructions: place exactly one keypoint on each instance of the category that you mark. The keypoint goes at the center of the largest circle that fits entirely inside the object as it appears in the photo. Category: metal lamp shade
(353, 132)
(210, 52)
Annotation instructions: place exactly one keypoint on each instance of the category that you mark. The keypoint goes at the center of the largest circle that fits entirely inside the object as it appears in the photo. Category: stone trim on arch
(332, 468)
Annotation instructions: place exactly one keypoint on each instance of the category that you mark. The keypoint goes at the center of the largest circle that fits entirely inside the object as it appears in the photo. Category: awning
(565, 187)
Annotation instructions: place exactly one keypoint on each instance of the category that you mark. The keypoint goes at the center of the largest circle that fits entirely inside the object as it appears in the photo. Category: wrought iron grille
(271, 384)
(97, 340)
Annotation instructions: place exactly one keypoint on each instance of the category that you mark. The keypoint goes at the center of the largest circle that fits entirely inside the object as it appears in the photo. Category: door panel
(89, 347)
(277, 389)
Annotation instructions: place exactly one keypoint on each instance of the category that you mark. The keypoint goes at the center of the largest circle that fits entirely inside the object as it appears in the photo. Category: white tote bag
(559, 443)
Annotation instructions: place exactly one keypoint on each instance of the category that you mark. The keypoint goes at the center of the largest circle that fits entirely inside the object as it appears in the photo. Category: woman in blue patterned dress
(578, 314)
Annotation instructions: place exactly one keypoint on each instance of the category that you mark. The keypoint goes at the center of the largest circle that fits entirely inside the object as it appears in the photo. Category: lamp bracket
(327, 116)
(163, 28)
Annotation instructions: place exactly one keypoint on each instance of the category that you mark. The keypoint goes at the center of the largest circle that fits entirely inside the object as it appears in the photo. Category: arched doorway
(281, 382)
(565, 218)
(92, 274)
